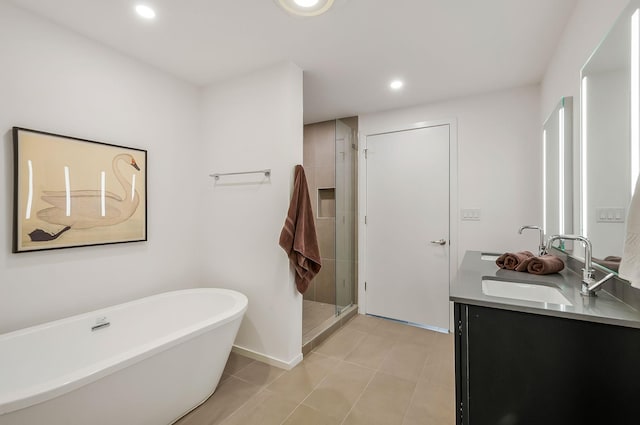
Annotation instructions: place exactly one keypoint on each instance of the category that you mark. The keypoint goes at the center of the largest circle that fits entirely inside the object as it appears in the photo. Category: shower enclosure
(330, 162)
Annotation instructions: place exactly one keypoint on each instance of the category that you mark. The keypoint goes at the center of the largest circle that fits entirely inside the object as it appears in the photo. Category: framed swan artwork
(71, 192)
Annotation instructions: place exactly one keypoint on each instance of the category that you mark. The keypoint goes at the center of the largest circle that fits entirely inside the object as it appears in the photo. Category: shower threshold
(317, 335)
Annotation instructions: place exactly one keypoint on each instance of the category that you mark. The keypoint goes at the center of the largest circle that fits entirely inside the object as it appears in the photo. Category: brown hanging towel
(298, 237)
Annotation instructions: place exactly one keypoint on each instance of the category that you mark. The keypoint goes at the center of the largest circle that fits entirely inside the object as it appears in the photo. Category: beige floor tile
(362, 417)
(305, 415)
(405, 360)
(439, 367)
(266, 408)
(346, 369)
(440, 374)
(390, 330)
(426, 421)
(432, 402)
(235, 363)
(341, 343)
(259, 373)
(336, 394)
(385, 400)
(363, 323)
(413, 421)
(445, 344)
(299, 382)
(229, 397)
(371, 351)
(420, 336)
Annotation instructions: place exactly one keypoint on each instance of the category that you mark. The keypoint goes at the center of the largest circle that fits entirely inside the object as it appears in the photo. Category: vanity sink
(487, 256)
(523, 291)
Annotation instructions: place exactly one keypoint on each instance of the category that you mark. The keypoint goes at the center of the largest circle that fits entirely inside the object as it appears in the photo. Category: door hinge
(365, 219)
(365, 152)
(460, 327)
(365, 286)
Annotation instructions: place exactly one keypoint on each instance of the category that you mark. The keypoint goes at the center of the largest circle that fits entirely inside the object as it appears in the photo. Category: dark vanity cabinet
(515, 368)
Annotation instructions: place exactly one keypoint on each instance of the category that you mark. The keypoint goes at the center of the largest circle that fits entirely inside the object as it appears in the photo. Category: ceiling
(441, 48)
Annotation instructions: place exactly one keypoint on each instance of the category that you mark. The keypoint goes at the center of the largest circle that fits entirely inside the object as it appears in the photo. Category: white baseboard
(267, 359)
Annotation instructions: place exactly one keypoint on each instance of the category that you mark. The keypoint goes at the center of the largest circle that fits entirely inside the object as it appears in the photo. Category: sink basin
(488, 256)
(523, 291)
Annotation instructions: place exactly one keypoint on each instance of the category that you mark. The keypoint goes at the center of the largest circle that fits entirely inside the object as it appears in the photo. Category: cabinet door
(526, 369)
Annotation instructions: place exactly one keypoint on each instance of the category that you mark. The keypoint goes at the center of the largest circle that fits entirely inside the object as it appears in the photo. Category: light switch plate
(610, 215)
(472, 214)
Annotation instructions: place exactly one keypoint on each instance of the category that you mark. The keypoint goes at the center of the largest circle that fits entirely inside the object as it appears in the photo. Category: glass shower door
(345, 197)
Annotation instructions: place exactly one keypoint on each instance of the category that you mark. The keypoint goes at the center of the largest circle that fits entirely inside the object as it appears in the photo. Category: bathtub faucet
(101, 322)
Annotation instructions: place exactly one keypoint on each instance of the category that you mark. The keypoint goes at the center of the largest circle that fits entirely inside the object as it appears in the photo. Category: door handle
(439, 242)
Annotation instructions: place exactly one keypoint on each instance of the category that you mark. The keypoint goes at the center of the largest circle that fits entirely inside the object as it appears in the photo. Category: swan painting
(72, 192)
(85, 210)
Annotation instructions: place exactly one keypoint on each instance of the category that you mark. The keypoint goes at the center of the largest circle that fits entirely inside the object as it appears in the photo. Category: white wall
(200, 234)
(499, 164)
(251, 123)
(589, 23)
(54, 80)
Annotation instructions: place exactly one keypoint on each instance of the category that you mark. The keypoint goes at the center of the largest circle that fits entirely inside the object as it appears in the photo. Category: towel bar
(266, 173)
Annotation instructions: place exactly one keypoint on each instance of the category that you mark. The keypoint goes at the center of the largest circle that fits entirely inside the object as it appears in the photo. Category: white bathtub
(159, 357)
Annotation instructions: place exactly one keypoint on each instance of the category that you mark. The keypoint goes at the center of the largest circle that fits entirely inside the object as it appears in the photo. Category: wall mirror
(610, 135)
(557, 135)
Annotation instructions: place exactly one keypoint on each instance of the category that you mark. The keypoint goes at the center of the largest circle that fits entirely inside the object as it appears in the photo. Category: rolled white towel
(630, 263)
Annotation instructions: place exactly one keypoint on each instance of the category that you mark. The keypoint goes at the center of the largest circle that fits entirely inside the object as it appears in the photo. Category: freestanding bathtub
(147, 361)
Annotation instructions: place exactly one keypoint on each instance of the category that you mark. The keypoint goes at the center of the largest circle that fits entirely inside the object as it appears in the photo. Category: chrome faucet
(541, 248)
(589, 284)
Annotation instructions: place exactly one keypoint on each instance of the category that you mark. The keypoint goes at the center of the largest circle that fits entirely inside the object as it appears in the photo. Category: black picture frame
(71, 192)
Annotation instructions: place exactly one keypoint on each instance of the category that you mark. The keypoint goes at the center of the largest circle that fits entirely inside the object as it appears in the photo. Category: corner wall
(250, 123)
(54, 80)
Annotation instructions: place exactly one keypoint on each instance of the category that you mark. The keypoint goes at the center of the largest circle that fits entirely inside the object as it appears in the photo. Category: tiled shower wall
(319, 165)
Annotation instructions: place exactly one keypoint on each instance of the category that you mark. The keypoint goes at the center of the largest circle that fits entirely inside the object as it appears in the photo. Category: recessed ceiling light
(306, 3)
(145, 11)
(305, 7)
(396, 84)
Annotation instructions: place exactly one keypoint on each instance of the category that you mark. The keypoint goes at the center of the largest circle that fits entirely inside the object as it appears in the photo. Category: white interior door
(407, 240)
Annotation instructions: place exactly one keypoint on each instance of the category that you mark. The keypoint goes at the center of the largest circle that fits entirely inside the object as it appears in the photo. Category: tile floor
(372, 371)
(314, 314)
